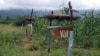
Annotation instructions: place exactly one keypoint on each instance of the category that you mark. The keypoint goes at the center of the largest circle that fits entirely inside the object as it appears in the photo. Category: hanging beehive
(59, 31)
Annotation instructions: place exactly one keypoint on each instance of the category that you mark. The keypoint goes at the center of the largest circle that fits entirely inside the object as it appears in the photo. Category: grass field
(13, 42)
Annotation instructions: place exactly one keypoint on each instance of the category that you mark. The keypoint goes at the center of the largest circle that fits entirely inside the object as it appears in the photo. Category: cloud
(28, 4)
(47, 4)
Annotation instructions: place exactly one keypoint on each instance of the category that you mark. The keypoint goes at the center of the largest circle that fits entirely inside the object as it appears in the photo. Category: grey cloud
(41, 4)
(28, 4)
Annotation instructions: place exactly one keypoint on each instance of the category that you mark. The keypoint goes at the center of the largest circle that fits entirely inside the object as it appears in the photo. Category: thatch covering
(28, 19)
(60, 17)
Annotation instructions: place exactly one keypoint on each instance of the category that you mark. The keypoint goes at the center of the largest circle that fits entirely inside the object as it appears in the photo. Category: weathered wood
(60, 17)
(29, 21)
(71, 39)
(59, 31)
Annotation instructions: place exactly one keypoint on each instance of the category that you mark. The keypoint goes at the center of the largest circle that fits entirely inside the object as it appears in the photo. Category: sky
(48, 4)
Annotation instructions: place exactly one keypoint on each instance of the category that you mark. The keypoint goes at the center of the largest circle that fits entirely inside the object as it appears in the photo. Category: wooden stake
(70, 47)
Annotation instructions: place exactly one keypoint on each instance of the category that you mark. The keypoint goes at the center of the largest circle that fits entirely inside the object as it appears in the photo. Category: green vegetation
(14, 42)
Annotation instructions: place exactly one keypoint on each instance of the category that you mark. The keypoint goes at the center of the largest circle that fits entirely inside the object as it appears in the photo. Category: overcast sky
(48, 4)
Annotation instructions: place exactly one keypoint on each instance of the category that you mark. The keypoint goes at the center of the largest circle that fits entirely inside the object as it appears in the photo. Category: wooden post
(31, 24)
(26, 28)
(29, 20)
(22, 27)
(49, 42)
(70, 47)
(31, 30)
(49, 38)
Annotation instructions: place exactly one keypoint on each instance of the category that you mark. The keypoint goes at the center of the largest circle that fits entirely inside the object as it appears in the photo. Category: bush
(19, 21)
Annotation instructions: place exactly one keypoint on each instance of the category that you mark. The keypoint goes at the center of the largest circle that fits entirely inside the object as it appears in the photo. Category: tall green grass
(10, 41)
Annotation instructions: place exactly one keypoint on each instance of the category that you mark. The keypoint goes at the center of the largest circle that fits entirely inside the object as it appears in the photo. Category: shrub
(19, 21)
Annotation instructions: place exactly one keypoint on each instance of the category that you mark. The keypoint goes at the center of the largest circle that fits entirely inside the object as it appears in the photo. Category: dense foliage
(87, 30)
(17, 21)
(86, 34)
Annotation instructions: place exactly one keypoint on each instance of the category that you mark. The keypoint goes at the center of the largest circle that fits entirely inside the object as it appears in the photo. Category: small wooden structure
(59, 31)
(66, 31)
(60, 17)
(29, 21)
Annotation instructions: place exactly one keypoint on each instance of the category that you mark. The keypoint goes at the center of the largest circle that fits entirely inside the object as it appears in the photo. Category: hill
(19, 12)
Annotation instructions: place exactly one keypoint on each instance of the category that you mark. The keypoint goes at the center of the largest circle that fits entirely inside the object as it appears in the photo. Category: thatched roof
(28, 19)
(60, 17)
